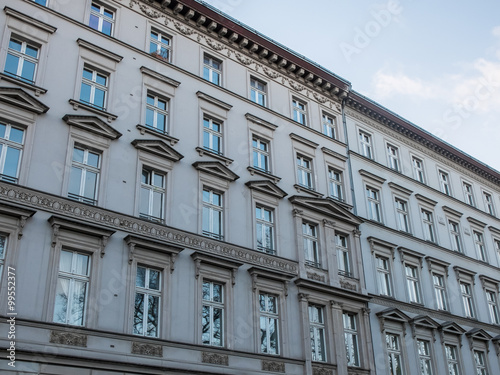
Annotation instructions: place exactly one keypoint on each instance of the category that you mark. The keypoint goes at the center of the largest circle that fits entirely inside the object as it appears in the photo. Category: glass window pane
(161, 121)
(154, 280)
(139, 314)
(205, 325)
(140, 280)
(150, 115)
(82, 264)
(90, 185)
(3, 128)
(144, 205)
(75, 181)
(11, 64)
(32, 51)
(61, 301)
(99, 96)
(94, 22)
(65, 260)
(15, 45)
(106, 27)
(153, 308)
(93, 159)
(217, 293)
(11, 162)
(85, 93)
(16, 135)
(217, 327)
(78, 303)
(157, 205)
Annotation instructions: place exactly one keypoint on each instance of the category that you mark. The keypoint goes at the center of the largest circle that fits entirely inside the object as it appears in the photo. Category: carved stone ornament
(215, 359)
(68, 338)
(322, 371)
(147, 349)
(349, 286)
(273, 366)
(316, 277)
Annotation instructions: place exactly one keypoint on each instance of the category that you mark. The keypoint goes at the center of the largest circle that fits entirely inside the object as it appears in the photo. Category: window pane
(82, 264)
(11, 162)
(144, 205)
(140, 280)
(11, 64)
(61, 303)
(85, 93)
(90, 185)
(157, 205)
(93, 159)
(16, 135)
(94, 22)
(217, 328)
(150, 115)
(154, 280)
(153, 302)
(75, 180)
(99, 96)
(15, 45)
(65, 261)
(78, 303)
(139, 314)
(28, 70)
(205, 325)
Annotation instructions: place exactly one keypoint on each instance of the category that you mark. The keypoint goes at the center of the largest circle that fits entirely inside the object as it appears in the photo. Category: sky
(434, 63)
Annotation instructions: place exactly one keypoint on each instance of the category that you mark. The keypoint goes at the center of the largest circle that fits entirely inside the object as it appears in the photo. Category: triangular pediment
(92, 124)
(451, 327)
(479, 334)
(326, 206)
(157, 147)
(267, 187)
(394, 314)
(425, 322)
(217, 169)
(21, 99)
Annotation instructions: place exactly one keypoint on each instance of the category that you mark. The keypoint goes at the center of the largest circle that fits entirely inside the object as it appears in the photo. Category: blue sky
(436, 64)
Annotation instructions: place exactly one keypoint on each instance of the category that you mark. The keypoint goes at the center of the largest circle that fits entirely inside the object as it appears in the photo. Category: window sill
(304, 189)
(146, 129)
(76, 104)
(203, 151)
(260, 172)
(37, 89)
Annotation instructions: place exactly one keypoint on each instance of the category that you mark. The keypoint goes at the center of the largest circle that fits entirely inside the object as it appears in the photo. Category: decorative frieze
(322, 371)
(147, 349)
(273, 366)
(316, 277)
(215, 359)
(68, 338)
(347, 285)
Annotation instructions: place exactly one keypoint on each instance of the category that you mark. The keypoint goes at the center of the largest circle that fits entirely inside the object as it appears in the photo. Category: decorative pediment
(21, 99)
(267, 187)
(157, 147)
(20, 213)
(92, 124)
(326, 206)
(451, 327)
(257, 272)
(478, 334)
(134, 242)
(393, 314)
(423, 321)
(217, 169)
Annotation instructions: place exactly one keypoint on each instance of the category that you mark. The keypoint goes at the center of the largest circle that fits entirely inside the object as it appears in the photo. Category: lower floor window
(424, 356)
(452, 359)
(147, 302)
(212, 320)
(269, 320)
(394, 354)
(317, 331)
(480, 359)
(351, 339)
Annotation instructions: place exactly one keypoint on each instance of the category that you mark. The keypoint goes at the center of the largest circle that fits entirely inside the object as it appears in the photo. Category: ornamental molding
(68, 338)
(215, 359)
(30, 20)
(147, 349)
(273, 366)
(322, 371)
(92, 124)
(21, 99)
(20, 213)
(99, 50)
(315, 277)
(107, 219)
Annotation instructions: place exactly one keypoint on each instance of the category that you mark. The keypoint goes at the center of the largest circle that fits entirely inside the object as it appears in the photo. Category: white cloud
(388, 84)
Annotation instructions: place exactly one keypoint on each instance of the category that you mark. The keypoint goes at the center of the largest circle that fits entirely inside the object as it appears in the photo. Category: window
(212, 214)
(456, 241)
(212, 70)
(393, 157)
(491, 297)
(212, 135)
(156, 112)
(394, 354)
(160, 45)
(424, 356)
(11, 147)
(444, 182)
(269, 322)
(212, 319)
(343, 256)
(258, 91)
(299, 110)
(147, 302)
(418, 169)
(329, 126)
(94, 88)
(22, 60)
(72, 288)
(480, 359)
(84, 176)
(383, 276)
(413, 284)
(497, 246)
(317, 330)
(41, 2)
(304, 172)
(402, 215)
(479, 243)
(488, 203)
(365, 144)
(336, 191)
(351, 339)
(152, 195)
(101, 18)
(452, 359)
(265, 229)
(428, 222)
(3, 248)
(310, 238)
(440, 291)
(468, 194)
(467, 300)
(373, 198)
(260, 152)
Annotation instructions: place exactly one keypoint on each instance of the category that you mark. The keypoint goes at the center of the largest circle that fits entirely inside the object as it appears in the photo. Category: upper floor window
(304, 172)
(147, 302)
(418, 169)
(393, 157)
(212, 214)
(11, 147)
(444, 182)
(365, 144)
(260, 154)
(317, 331)
(402, 215)
(413, 284)
(383, 275)
(480, 359)
(335, 179)
(351, 339)
(212, 69)
(394, 354)
(269, 323)
(467, 299)
(22, 60)
(456, 240)
(491, 297)
(94, 88)
(440, 291)
(212, 320)
(424, 356)
(160, 45)
(310, 239)
(428, 222)
(452, 359)
(488, 203)
(84, 176)
(156, 112)
(373, 197)
(265, 229)
(152, 195)
(101, 18)
(479, 242)
(258, 91)
(343, 255)
(212, 135)
(468, 194)
(299, 109)
(329, 126)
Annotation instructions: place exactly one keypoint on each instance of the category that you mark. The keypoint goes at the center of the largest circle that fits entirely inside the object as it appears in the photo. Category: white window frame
(393, 157)
(261, 154)
(213, 305)
(455, 236)
(148, 292)
(161, 50)
(211, 72)
(413, 284)
(261, 225)
(23, 57)
(384, 275)
(480, 245)
(489, 205)
(351, 336)
(418, 169)
(329, 125)
(152, 188)
(440, 291)
(466, 291)
(317, 333)
(468, 194)
(373, 203)
(492, 301)
(402, 214)
(5, 145)
(480, 362)
(394, 352)
(452, 353)
(258, 95)
(344, 260)
(336, 182)
(305, 174)
(428, 225)
(310, 238)
(85, 170)
(157, 111)
(213, 134)
(299, 111)
(265, 313)
(94, 86)
(424, 350)
(365, 144)
(444, 182)
(213, 208)
(101, 16)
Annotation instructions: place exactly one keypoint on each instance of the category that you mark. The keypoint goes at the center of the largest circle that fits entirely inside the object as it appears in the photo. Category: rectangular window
(456, 240)
(212, 319)
(41, 2)
(393, 157)
(147, 302)
(351, 339)
(394, 354)
(310, 238)
(212, 135)
(413, 284)
(452, 359)
(424, 356)
(269, 323)
(152, 195)
(418, 169)
(212, 70)
(343, 255)
(84, 176)
(383, 276)
(260, 153)
(479, 243)
(467, 299)
(480, 359)
(365, 144)
(160, 45)
(373, 198)
(265, 229)
(22, 60)
(428, 222)
(488, 203)
(11, 148)
(304, 172)
(258, 91)
(72, 288)
(444, 182)
(101, 18)
(497, 246)
(440, 292)
(335, 179)
(317, 330)
(491, 297)
(299, 111)
(329, 126)
(468, 194)
(94, 88)
(156, 112)
(3, 248)
(402, 215)
(212, 214)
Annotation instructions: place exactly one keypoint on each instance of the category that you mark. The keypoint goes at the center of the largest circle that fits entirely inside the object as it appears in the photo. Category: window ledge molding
(101, 51)
(303, 140)
(485, 280)
(143, 129)
(37, 89)
(272, 177)
(134, 242)
(476, 222)
(451, 211)
(19, 98)
(407, 255)
(30, 20)
(335, 154)
(303, 189)
(435, 261)
(400, 189)
(224, 159)
(160, 77)
(77, 104)
(22, 214)
(213, 100)
(372, 176)
(231, 265)
(459, 271)
(430, 202)
(259, 121)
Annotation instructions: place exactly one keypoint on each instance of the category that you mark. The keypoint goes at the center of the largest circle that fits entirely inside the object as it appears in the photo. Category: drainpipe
(346, 137)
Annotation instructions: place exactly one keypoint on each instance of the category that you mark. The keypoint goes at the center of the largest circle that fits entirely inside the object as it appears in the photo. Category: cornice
(101, 51)
(259, 121)
(30, 20)
(160, 77)
(214, 101)
(303, 140)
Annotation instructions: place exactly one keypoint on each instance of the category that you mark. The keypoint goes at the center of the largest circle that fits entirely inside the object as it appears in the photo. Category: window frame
(329, 128)
(344, 255)
(384, 275)
(393, 157)
(468, 194)
(212, 134)
(212, 305)
(149, 292)
(269, 315)
(365, 140)
(336, 185)
(101, 17)
(259, 152)
(352, 332)
(444, 182)
(317, 330)
(312, 239)
(256, 92)
(413, 283)
(392, 353)
(303, 171)
(85, 170)
(467, 295)
(23, 57)
(455, 362)
(272, 224)
(440, 291)
(208, 70)
(212, 207)
(480, 245)
(153, 189)
(493, 307)
(300, 111)
(160, 46)
(156, 110)
(94, 85)
(374, 204)
(418, 172)
(402, 214)
(428, 224)
(425, 357)
(489, 203)
(6, 144)
(481, 368)
(455, 235)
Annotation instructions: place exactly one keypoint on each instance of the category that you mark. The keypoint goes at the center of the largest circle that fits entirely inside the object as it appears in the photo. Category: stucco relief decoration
(270, 73)
(296, 86)
(320, 98)
(67, 338)
(183, 29)
(147, 349)
(349, 286)
(147, 10)
(273, 366)
(214, 45)
(242, 59)
(316, 277)
(214, 358)
(322, 371)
